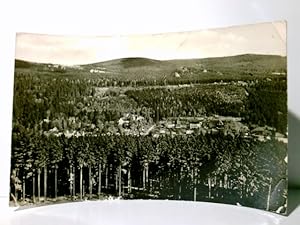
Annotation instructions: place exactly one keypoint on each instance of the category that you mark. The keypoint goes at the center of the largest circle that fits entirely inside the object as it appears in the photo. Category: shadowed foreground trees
(210, 167)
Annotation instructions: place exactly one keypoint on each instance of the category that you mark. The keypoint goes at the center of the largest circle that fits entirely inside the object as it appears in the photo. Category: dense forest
(91, 137)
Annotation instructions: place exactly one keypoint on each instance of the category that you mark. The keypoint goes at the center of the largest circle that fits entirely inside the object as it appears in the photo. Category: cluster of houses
(55, 68)
(186, 70)
(98, 70)
(200, 125)
(278, 73)
(214, 124)
(132, 124)
(266, 133)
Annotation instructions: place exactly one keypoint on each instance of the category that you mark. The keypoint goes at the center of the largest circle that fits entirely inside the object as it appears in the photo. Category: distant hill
(248, 62)
(192, 69)
(127, 62)
(22, 64)
(27, 64)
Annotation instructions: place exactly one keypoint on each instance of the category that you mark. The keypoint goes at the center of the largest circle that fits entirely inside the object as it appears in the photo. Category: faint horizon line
(143, 57)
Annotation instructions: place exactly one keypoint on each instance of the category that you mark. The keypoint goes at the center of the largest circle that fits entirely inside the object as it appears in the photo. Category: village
(131, 124)
(136, 125)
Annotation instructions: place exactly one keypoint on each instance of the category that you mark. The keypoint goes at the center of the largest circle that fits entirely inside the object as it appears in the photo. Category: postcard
(187, 116)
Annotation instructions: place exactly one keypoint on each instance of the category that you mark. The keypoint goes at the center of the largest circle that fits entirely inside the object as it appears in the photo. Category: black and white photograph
(190, 116)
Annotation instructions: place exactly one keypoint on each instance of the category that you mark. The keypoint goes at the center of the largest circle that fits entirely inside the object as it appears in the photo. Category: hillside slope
(180, 69)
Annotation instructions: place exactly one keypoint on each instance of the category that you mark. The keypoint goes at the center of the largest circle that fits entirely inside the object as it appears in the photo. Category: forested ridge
(82, 137)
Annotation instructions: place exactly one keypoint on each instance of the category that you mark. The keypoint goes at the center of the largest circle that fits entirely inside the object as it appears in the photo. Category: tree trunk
(225, 181)
(74, 183)
(33, 186)
(195, 184)
(16, 189)
(147, 176)
(160, 181)
(83, 190)
(16, 193)
(179, 183)
(23, 191)
(179, 191)
(209, 187)
(39, 185)
(129, 180)
(71, 181)
(120, 180)
(242, 191)
(195, 190)
(14, 199)
(99, 180)
(45, 183)
(90, 182)
(106, 177)
(80, 182)
(144, 178)
(269, 195)
(216, 193)
(116, 179)
(55, 182)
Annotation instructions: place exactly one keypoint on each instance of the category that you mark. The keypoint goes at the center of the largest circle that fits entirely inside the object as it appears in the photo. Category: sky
(263, 38)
